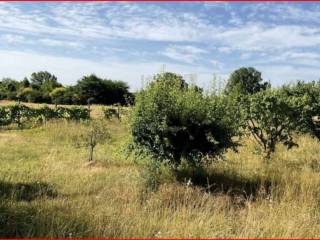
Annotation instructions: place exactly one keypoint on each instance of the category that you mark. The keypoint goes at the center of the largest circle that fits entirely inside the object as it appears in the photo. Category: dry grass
(71, 198)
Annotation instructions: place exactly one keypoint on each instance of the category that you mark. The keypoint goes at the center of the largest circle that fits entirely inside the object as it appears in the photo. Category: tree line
(175, 122)
(43, 87)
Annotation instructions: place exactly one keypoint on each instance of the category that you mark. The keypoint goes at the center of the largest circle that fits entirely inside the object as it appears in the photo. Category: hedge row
(19, 114)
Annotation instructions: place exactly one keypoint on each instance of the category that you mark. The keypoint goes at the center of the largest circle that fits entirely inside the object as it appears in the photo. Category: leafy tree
(116, 92)
(173, 121)
(9, 88)
(43, 79)
(98, 90)
(57, 95)
(171, 77)
(25, 83)
(26, 94)
(44, 82)
(90, 87)
(305, 101)
(270, 118)
(71, 95)
(245, 81)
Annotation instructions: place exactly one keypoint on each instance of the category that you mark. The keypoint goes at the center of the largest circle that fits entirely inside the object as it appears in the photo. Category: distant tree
(90, 87)
(44, 82)
(44, 78)
(71, 95)
(102, 91)
(26, 94)
(9, 88)
(245, 81)
(57, 95)
(170, 77)
(116, 92)
(25, 83)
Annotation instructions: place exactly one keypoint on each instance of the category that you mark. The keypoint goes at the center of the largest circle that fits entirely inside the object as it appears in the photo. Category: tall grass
(242, 197)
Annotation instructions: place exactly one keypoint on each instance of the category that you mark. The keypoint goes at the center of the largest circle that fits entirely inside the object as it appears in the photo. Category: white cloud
(59, 43)
(13, 38)
(184, 53)
(280, 74)
(152, 22)
(225, 49)
(309, 59)
(217, 64)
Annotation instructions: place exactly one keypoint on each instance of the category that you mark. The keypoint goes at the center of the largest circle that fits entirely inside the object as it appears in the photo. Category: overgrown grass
(48, 189)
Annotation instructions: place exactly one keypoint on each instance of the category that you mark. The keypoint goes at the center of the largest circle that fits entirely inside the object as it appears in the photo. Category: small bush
(110, 113)
(173, 121)
(95, 132)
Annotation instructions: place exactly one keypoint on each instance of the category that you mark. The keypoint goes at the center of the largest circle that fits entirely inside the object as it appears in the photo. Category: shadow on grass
(20, 217)
(25, 220)
(227, 183)
(26, 191)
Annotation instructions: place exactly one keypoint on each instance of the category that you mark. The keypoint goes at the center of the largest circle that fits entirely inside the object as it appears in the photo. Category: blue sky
(132, 41)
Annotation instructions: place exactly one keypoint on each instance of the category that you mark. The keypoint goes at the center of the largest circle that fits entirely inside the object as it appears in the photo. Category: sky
(132, 41)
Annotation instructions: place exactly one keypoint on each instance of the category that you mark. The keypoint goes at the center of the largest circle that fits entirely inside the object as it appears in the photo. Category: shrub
(110, 113)
(95, 132)
(174, 121)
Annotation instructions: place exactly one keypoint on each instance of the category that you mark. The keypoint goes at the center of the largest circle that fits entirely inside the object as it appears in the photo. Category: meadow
(49, 189)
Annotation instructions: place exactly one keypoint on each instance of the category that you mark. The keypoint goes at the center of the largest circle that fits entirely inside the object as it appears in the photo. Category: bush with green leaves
(305, 101)
(173, 121)
(270, 118)
(110, 113)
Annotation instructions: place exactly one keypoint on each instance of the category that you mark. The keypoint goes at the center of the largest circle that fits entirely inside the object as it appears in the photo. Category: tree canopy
(245, 80)
(43, 87)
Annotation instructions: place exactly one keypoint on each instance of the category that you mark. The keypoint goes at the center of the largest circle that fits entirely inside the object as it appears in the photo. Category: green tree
(26, 94)
(91, 87)
(44, 82)
(245, 81)
(103, 91)
(270, 118)
(9, 88)
(39, 79)
(25, 83)
(57, 95)
(305, 100)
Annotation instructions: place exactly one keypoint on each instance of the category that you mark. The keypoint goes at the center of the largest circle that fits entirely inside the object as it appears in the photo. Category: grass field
(48, 189)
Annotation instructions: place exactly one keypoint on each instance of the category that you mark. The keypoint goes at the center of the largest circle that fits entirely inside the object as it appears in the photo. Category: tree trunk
(90, 153)
(119, 112)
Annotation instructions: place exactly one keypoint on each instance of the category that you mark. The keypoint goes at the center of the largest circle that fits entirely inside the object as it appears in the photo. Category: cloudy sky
(132, 41)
